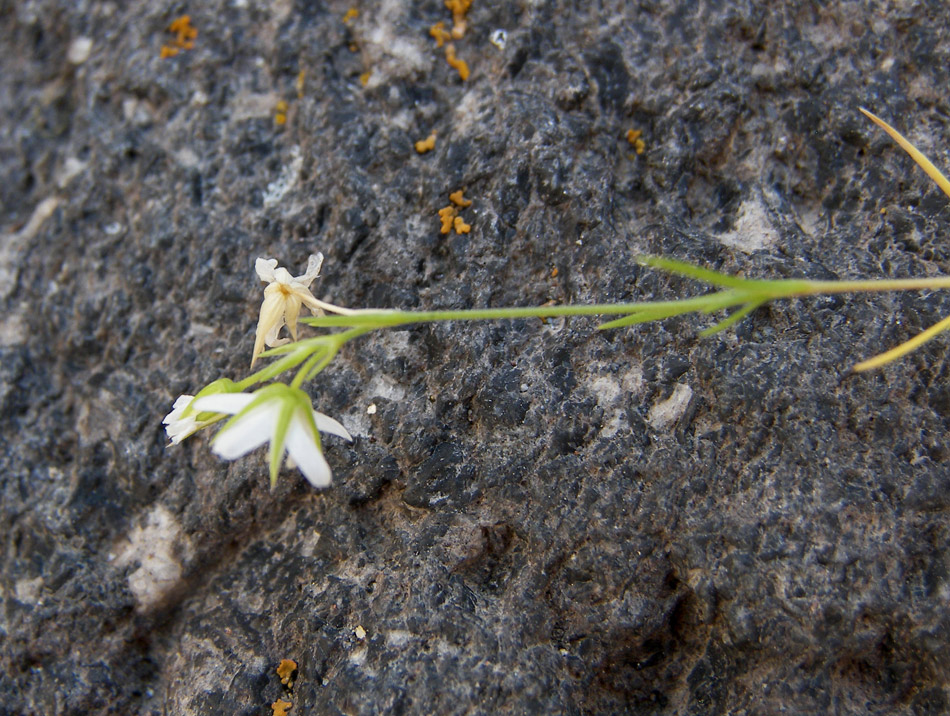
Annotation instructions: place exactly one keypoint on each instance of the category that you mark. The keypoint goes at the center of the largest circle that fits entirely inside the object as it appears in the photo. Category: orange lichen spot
(459, 9)
(426, 145)
(301, 77)
(364, 78)
(281, 707)
(280, 115)
(455, 62)
(184, 36)
(285, 670)
(456, 198)
(448, 216)
(554, 272)
(440, 34)
(351, 14)
(634, 138)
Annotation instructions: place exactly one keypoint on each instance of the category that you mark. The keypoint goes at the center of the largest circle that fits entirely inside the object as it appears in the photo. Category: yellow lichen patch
(285, 670)
(281, 707)
(459, 9)
(426, 145)
(364, 78)
(447, 215)
(280, 113)
(440, 34)
(455, 62)
(456, 198)
(351, 14)
(450, 214)
(301, 77)
(184, 38)
(634, 138)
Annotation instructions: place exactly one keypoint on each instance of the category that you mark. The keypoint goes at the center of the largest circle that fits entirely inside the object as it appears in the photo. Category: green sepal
(276, 456)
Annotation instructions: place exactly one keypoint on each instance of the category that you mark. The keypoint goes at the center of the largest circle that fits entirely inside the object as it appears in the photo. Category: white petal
(247, 433)
(271, 339)
(313, 269)
(326, 424)
(265, 269)
(283, 276)
(182, 402)
(229, 403)
(181, 429)
(304, 451)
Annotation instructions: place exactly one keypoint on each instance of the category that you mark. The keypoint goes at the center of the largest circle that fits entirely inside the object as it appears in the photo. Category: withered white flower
(184, 420)
(178, 424)
(282, 415)
(283, 298)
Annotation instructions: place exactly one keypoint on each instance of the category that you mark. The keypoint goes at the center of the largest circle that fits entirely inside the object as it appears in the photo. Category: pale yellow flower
(283, 299)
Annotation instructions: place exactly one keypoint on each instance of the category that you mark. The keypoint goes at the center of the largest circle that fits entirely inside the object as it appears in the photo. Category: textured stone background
(539, 518)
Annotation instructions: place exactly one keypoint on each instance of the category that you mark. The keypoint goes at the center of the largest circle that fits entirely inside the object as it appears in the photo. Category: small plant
(282, 415)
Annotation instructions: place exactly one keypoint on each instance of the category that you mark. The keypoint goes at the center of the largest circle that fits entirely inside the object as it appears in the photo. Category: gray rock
(539, 517)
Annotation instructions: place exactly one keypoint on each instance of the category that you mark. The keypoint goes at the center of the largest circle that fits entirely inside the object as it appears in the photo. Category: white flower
(279, 414)
(184, 420)
(283, 299)
(179, 426)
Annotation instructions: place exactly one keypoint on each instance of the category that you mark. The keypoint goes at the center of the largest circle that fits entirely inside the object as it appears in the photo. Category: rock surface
(538, 517)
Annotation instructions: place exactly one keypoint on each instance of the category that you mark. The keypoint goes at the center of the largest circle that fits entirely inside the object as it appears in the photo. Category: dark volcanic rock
(539, 517)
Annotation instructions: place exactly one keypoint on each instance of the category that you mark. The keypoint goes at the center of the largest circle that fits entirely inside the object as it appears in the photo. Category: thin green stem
(311, 362)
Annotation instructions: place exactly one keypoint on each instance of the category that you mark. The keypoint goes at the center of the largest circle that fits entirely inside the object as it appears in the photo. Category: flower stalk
(281, 414)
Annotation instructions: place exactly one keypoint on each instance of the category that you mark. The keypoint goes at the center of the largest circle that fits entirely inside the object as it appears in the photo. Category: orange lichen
(351, 14)
(281, 707)
(301, 76)
(426, 145)
(440, 34)
(280, 116)
(448, 216)
(184, 38)
(456, 198)
(459, 9)
(364, 78)
(554, 272)
(285, 670)
(455, 62)
(633, 136)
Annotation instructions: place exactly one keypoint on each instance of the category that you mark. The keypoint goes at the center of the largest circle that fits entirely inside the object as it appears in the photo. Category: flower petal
(228, 403)
(181, 402)
(246, 433)
(326, 424)
(291, 311)
(303, 449)
(313, 269)
(283, 276)
(265, 269)
(270, 321)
